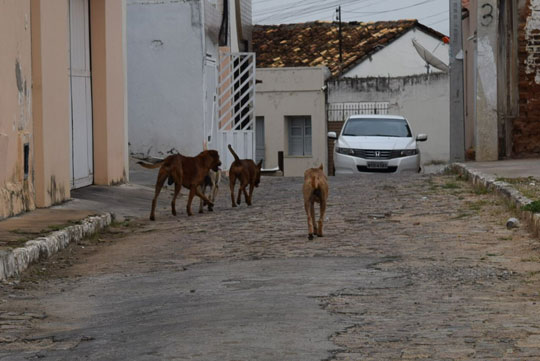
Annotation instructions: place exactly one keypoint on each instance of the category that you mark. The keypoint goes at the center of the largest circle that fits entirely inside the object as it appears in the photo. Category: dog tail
(151, 166)
(233, 153)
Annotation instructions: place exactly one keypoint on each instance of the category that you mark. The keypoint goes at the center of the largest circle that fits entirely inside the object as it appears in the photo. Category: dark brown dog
(189, 172)
(315, 190)
(248, 173)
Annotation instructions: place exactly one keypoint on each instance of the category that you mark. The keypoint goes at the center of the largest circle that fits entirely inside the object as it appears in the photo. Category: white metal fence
(236, 106)
(339, 112)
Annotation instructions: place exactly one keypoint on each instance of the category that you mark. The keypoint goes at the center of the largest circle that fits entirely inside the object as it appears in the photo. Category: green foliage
(534, 207)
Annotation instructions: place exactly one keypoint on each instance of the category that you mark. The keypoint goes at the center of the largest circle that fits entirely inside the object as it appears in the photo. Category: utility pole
(457, 121)
(338, 11)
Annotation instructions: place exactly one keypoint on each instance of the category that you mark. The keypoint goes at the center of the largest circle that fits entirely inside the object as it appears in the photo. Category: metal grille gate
(339, 112)
(236, 106)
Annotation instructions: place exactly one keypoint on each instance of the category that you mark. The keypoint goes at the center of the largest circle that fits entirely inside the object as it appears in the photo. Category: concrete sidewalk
(27, 237)
(514, 168)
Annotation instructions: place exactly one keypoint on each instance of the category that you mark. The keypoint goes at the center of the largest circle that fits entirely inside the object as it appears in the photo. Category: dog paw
(310, 236)
(319, 235)
(234, 205)
(200, 211)
(152, 218)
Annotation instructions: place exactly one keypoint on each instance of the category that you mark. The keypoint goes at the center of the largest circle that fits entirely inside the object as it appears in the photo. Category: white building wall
(292, 92)
(422, 99)
(165, 76)
(400, 58)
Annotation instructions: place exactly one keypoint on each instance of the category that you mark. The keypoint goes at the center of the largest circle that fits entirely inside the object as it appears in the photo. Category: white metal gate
(210, 101)
(236, 106)
(82, 161)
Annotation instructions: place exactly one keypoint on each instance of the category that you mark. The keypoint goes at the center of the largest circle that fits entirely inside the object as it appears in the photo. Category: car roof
(375, 116)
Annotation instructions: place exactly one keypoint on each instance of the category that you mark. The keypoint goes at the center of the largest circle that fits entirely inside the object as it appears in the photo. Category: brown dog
(315, 190)
(189, 172)
(247, 172)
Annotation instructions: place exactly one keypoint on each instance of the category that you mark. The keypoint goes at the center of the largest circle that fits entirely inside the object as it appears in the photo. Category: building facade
(63, 114)
(291, 118)
(174, 50)
(379, 71)
(502, 78)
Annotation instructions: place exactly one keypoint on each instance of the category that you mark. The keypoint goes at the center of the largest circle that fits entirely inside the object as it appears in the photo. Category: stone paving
(450, 282)
(460, 285)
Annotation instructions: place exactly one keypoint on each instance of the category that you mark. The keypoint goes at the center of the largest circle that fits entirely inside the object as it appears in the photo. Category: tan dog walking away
(189, 172)
(315, 190)
(248, 173)
(212, 180)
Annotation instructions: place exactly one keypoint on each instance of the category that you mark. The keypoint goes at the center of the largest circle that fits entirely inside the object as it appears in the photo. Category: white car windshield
(376, 127)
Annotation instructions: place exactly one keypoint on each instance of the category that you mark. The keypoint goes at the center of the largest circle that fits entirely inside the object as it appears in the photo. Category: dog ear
(321, 167)
(259, 165)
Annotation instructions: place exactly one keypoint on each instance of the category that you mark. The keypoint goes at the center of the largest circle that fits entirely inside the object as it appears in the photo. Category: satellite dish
(429, 57)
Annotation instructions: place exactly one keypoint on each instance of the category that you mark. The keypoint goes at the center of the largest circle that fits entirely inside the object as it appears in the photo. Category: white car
(376, 143)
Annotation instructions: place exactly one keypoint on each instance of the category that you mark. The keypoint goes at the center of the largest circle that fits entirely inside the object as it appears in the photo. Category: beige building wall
(107, 24)
(16, 191)
(51, 100)
(35, 100)
(286, 92)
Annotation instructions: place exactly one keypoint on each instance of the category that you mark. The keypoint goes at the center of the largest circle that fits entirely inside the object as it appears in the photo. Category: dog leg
(177, 187)
(201, 203)
(192, 191)
(232, 180)
(246, 197)
(203, 197)
(249, 198)
(312, 212)
(321, 217)
(239, 198)
(162, 177)
(309, 218)
(214, 191)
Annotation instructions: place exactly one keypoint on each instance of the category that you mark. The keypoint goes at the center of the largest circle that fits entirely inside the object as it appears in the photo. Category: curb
(17, 260)
(503, 189)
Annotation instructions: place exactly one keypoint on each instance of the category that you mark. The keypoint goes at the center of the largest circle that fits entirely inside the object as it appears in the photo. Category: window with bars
(299, 134)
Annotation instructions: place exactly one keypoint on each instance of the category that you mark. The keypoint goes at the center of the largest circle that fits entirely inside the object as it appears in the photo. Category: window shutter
(307, 136)
(296, 131)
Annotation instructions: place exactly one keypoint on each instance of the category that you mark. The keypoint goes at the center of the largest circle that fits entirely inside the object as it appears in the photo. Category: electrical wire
(391, 10)
(309, 8)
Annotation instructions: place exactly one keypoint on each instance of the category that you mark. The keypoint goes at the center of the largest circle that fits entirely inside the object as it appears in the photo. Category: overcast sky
(433, 13)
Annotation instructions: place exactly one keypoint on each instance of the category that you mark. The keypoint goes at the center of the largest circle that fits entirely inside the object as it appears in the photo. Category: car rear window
(366, 127)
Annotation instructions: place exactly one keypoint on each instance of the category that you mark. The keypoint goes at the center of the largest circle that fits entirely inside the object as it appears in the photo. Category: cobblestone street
(414, 267)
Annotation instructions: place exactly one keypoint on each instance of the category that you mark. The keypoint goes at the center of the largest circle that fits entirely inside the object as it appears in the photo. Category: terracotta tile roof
(317, 44)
